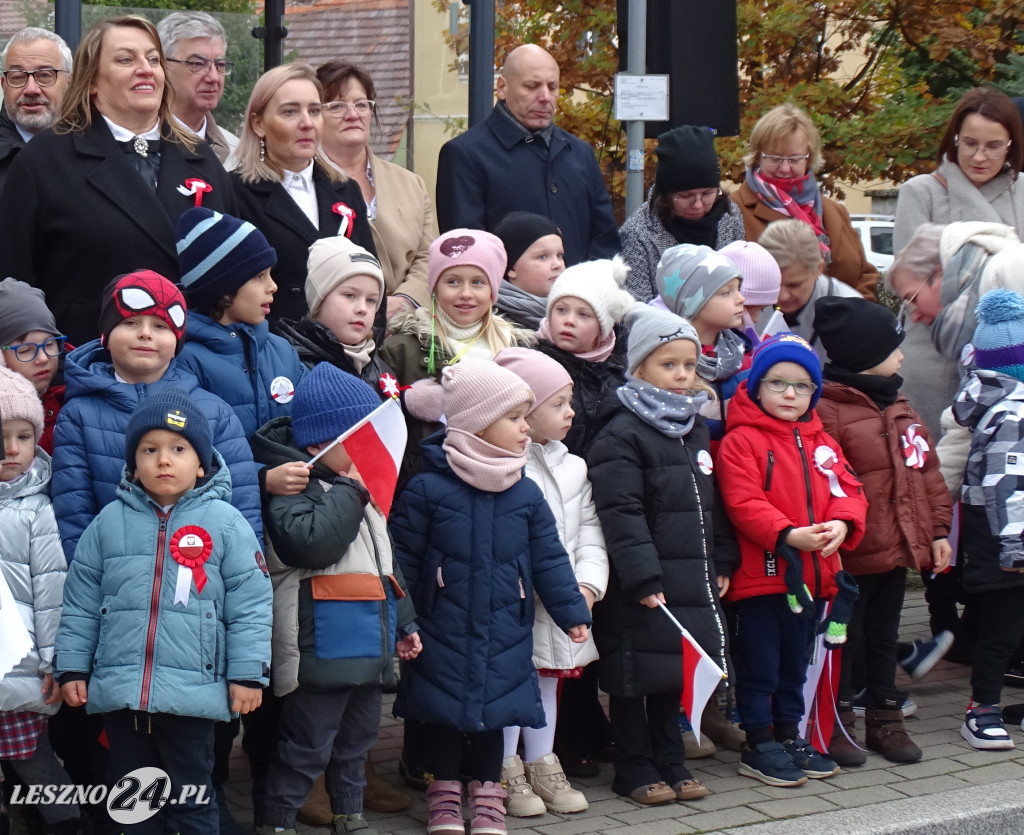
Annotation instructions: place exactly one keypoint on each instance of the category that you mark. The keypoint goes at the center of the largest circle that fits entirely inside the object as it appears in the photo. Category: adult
(398, 205)
(685, 205)
(196, 48)
(99, 196)
(37, 69)
(518, 160)
(285, 185)
(785, 152)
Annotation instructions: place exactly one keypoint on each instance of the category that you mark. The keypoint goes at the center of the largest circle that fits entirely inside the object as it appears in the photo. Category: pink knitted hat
(19, 401)
(540, 372)
(761, 276)
(467, 246)
(478, 392)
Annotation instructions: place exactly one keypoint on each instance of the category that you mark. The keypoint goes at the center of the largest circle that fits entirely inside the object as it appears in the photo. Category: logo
(456, 247)
(177, 421)
(707, 466)
(282, 390)
(262, 563)
(771, 564)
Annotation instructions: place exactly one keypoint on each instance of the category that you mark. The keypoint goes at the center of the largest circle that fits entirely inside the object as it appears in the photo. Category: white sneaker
(983, 729)
(549, 783)
(521, 802)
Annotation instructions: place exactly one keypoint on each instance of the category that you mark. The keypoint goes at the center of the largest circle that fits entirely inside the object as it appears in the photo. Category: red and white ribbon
(348, 217)
(190, 547)
(197, 187)
(915, 448)
(825, 460)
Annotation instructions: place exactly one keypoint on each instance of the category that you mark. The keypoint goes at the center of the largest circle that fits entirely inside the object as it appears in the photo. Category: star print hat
(688, 276)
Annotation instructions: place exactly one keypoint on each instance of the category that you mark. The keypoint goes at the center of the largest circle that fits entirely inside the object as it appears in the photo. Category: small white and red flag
(701, 675)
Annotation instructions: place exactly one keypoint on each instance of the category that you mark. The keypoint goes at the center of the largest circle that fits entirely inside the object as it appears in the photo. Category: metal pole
(481, 59)
(67, 21)
(637, 47)
(272, 33)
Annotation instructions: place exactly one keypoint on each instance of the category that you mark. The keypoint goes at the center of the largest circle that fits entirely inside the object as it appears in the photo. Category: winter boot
(381, 796)
(316, 811)
(548, 782)
(521, 802)
(444, 804)
(486, 808)
(719, 729)
(887, 735)
(343, 824)
(843, 748)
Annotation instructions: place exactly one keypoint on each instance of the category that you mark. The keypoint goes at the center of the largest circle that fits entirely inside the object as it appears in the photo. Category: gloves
(424, 400)
(799, 596)
(841, 611)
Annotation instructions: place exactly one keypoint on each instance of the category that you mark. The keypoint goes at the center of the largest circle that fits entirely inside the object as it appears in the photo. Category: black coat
(74, 213)
(10, 143)
(666, 532)
(270, 208)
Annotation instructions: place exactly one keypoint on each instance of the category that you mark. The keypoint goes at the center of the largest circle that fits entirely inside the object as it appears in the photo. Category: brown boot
(843, 751)
(381, 796)
(719, 729)
(316, 811)
(887, 735)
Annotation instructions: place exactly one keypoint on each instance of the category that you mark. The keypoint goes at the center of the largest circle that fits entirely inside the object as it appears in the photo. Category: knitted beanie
(999, 337)
(459, 247)
(478, 392)
(686, 160)
(599, 284)
(142, 293)
(217, 254)
(540, 372)
(23, 309)
(327, 403)
(761, 275)
(650, 328)
(521, 230)
(19, 401)
(335, 260)
(174, 410)
(855, 333)
(689, 275)
(784, 347)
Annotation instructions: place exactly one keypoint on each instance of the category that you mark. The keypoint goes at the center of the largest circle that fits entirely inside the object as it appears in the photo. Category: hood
(434, 458)
(36, 479)
(218, 338)
(550, 455)
(273, 445)
(980, 392)
(313, 341)
(744, 411)
(217, 485)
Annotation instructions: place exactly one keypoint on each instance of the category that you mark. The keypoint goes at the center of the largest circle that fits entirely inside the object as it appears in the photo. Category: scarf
(544, 134)
(599, 354)
(729, 351)
(671, 414)
(480, 464)
(795, 197)
(521, 307)
(360, 353)
(883, 391)
(702, 231)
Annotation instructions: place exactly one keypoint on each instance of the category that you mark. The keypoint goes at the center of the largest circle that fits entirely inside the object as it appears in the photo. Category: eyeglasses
(793, 160)
(45, 77)
(802, 388)
(908, 304)
(28, 351)
(992, 150)
(364, 107)
(198, 65)
(706, 196)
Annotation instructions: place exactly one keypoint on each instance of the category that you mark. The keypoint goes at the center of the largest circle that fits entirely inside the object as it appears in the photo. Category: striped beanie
(999, 337)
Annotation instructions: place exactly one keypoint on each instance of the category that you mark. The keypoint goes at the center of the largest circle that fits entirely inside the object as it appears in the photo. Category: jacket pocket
(210, 642)
(768, 472)
(347, 615)
(525, 593)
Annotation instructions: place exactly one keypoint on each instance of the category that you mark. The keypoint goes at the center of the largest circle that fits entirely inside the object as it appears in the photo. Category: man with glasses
(37, 69)
(196, 49)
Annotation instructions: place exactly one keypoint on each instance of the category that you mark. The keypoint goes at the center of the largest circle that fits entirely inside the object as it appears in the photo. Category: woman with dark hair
(399, 206)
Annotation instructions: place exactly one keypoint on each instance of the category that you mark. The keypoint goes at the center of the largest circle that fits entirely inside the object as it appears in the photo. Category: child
(562, 478)
(474, 540)
(909, 510)
(793, 500)
(338, 603)
(651, 472)
(990, 403)
(32, 565)
(32, 347)
(536, 257)
(142, 323)
(167, 608)
(761, 281)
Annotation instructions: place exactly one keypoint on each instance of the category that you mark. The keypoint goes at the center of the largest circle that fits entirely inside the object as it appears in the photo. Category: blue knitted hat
(329, 402)
(175, 411)
(999, 337)
(217, 254)
(784, 347)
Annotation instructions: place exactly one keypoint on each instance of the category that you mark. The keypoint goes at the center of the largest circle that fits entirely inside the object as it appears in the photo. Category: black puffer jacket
(666, 532)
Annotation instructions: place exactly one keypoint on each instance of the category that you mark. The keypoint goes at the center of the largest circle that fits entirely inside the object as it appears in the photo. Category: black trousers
(873, 633)
(1000, 628)
(582, 729)
(449, 751)
(648, 741)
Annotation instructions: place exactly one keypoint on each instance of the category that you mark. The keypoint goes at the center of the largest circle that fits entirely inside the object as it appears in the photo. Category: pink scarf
(795, 197)
(480, 464)
(599, 354)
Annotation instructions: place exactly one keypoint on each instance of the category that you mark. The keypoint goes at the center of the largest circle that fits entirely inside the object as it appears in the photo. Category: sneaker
(1014, 676)
(926, 654)
(521, 801)
(770, 763)
(809, 759)
(860, 699)
(983, 729)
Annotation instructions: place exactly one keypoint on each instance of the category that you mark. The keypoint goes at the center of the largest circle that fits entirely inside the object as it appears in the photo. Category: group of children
(592, 472)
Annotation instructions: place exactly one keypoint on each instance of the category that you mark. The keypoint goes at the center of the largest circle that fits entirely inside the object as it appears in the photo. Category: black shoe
(1014, 675)
(580, 765)
(415, 777)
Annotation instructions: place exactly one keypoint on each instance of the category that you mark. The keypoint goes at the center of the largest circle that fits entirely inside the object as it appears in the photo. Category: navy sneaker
(926, 654)
(909, 706)
(983, 729)
(770, 763)
(809, 759)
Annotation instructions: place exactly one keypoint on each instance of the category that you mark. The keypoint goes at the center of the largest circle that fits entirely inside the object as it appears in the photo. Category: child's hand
(356, 476)
(579, 634)
(835, 532)
(723, 585)
(942, 554)
(589, 596)
(51, 690)
(652, 600)
(288, 479)
(75, 693)
(409, 647)
(808, 538)
(244, 699)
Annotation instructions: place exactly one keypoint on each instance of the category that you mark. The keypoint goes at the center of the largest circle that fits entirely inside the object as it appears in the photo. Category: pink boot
(487, 808)
(444, 803)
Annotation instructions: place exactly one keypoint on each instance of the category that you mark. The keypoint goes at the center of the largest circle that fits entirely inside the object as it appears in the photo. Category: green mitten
(841, 611)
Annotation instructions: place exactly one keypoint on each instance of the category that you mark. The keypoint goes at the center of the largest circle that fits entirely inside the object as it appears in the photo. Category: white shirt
(201, 133)
(123, 134)
(299, 184)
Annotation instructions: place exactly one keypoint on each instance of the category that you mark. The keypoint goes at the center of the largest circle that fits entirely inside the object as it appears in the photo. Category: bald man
(518, 160)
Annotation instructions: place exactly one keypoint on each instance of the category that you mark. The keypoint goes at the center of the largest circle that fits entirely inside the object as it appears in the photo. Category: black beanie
(174, 410)
(519, 231)
(686, 160)
(855, 333)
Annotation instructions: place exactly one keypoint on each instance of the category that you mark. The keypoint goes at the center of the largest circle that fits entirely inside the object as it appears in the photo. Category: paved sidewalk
(954, 789)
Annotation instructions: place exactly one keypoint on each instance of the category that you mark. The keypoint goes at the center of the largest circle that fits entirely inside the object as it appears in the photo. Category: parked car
(876, 235)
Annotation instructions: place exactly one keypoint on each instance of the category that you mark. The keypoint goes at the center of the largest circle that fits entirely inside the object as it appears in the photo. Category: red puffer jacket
(770, 481)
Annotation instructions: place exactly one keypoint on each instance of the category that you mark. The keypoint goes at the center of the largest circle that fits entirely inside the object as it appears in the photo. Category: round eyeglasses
(28, 351)
(802, 388)
(198, 66)
(46, 77)
(992, 150)
(364, 107)
(796, 159)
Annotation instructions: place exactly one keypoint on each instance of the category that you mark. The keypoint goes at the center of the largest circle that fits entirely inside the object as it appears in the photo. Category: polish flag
(376, 445)
(701, 676)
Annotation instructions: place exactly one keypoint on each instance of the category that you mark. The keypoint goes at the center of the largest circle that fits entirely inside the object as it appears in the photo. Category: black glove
(841, 611)
(798, 595)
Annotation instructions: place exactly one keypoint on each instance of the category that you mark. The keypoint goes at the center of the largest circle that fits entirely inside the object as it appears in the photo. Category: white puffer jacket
(562, 478)
(32, 563)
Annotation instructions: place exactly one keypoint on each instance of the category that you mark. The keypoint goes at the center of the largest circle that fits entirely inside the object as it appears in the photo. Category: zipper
(810, 507)
(768, 474)
(154, 608)
(708, 579)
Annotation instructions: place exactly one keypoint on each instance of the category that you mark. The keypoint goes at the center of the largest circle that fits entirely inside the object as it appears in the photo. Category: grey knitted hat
(650, 328)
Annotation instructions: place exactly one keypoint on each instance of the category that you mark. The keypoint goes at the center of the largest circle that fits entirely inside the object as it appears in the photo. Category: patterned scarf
(480, 464)
(671, 414)
(795, 197)
(599, 354)
(728, 359)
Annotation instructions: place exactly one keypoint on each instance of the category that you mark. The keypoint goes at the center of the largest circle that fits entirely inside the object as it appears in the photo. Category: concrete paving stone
(725, 818)
(664, 827)
(852, 798)
(923, 726)
(945, 750)
(928, 768)
(729, 799)
(731, 783)
(716, 770)
(811, 787)
(796, 805)
(994, 773)
(579, 826)
(856, 779)
(640, 814)
(930, 785)
(978, 759)
(609, 806)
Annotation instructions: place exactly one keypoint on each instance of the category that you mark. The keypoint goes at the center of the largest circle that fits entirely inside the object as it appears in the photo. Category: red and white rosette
(915, 448)
(348, 218)
(389, 385)
(197, 187)
(826, 460)
(191, 546)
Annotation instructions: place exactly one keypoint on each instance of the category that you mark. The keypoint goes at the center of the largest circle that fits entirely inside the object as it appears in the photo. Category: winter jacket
(562, 478)
(665, 532)
(122, 629)
(991, 405)
(32, 563)
(89, 440)
(909, 507)
(472, 560)
(338, 597)
(250, 369)
(770, 482)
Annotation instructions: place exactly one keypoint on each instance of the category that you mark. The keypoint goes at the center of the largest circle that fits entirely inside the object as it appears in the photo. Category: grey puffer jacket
(32, 563)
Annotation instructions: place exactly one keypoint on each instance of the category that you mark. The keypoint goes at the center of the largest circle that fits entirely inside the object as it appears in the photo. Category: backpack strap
(941, 179)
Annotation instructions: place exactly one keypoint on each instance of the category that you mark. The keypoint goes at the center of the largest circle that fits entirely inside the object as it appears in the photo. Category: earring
(263, 149)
